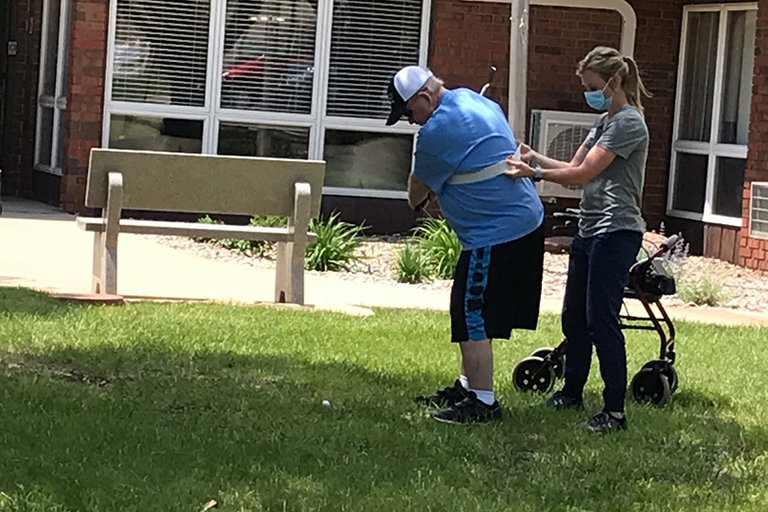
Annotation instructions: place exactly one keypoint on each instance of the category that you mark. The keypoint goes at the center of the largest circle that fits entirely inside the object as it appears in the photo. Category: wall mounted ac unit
(758, 211)
(558, 135)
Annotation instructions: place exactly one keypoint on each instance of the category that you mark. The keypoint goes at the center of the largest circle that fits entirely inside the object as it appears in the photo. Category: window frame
(712, 149)
(57, 102)
(213, 115)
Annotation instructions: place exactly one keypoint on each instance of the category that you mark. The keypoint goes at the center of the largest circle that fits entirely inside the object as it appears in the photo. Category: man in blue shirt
(461, 150)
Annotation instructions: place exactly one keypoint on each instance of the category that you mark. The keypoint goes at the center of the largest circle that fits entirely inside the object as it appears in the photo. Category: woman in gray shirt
(610, 166)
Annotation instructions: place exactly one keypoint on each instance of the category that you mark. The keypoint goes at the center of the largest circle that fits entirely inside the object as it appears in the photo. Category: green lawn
(163, 407)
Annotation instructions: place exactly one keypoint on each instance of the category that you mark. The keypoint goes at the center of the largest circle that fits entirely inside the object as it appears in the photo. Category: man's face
(420, 107)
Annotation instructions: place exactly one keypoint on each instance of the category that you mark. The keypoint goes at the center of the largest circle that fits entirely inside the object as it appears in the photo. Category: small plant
(704, 291)
(412, 265)
(250, 247)
(205, 220)
(336, 244)
(441, 245)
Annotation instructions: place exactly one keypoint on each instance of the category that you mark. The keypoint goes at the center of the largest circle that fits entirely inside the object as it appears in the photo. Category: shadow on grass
(152, 430)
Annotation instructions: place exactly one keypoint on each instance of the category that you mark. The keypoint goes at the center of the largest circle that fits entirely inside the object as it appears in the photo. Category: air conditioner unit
(758, 211)
(558, 135)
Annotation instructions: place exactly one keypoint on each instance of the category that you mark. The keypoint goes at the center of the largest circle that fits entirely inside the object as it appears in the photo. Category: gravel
(747, 289)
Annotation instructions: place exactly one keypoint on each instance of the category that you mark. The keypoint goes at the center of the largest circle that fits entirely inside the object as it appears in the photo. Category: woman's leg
(578, 349)
(612, 255)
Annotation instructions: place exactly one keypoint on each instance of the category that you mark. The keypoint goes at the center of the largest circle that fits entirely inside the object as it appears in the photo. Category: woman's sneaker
(605, 422)
(469, 410)
(444, 397)
(560, 400)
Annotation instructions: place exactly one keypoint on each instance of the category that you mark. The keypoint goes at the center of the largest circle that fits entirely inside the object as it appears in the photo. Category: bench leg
(109, 269)
(289, 278)
(281, 277)
(296, 275)
(98, 251)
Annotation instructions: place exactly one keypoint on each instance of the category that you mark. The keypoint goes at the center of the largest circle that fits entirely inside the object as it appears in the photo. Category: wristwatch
(536, 173)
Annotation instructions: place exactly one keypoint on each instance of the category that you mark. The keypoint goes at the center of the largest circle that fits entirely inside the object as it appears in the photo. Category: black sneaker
(560, 400)
(469, 410)
(446, 397)
(605, 422)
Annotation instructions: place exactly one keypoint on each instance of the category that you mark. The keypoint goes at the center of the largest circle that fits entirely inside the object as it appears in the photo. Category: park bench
(171, 182)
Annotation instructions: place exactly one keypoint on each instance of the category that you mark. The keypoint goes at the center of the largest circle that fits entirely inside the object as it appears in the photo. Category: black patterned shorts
(497, 289)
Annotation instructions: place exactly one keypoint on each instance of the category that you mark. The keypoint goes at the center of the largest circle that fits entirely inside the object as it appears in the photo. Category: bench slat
(192, 229)
(178, 182)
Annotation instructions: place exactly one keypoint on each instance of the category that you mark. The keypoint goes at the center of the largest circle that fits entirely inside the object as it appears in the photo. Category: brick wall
(85, 95)
(20, 106)
(466, 39)
(657, 49)
(755, 251)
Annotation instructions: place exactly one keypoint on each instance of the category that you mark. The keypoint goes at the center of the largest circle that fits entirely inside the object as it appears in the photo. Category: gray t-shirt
(611, 200)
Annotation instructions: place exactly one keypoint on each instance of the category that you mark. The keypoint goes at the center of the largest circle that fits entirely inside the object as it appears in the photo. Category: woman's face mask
(597, 99)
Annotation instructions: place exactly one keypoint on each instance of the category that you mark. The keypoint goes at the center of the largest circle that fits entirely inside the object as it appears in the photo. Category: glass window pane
(759, 210)
(269, 53)
(264, 141)
(46, 136)
(699, 76)
(739, 65)
(729, 182)
(156, 134)
(51, 50)
(378, 161)
(690, 182)
(161, 51)
(370, 41)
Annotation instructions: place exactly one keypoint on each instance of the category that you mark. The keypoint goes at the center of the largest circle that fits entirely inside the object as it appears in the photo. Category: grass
(163, 407)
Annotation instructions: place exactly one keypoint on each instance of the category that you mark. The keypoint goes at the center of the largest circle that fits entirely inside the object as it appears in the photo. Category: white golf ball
(326, 403)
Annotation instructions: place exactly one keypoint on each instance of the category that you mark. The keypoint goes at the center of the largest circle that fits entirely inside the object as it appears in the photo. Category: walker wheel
(533, 374)
(558, 363)
(667, 369)
(650, 386)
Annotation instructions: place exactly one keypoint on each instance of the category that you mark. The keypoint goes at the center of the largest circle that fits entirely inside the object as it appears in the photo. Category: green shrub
(336, 244)
(250, 247)
(412, 264)
(704, 291)
(441, 245)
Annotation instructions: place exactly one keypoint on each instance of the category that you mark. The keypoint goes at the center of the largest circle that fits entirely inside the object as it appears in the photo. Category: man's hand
(419, 194)
(516, 169)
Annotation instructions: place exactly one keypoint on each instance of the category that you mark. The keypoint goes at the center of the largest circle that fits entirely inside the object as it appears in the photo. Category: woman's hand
(527, 154)
(516, 169)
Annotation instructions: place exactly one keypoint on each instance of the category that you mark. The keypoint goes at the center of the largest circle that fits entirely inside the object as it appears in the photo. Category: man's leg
(468, 328)
(456, 392)
(477, 364)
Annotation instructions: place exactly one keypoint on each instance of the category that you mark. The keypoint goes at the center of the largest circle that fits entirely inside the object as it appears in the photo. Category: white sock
(484, 396)
(464, 381)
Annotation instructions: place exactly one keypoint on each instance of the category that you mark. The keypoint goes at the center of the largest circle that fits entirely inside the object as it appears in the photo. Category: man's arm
(418, 193)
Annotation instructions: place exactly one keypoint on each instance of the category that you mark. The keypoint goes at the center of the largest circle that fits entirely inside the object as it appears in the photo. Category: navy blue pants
(598, 271)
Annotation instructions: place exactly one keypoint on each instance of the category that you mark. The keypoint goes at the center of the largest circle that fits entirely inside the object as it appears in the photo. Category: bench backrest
(203, 183)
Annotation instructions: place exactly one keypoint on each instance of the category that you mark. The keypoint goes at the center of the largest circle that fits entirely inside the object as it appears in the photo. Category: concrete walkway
(43, 249)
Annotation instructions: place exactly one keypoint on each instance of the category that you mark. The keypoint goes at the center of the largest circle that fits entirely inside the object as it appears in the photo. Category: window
(276, 78)
(51, 99)
(712, 115)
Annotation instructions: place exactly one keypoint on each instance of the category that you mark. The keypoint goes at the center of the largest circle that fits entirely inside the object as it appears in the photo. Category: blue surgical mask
(597, 99)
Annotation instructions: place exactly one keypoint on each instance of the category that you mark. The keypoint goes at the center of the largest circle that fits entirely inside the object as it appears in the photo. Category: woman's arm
(530, 156)
(593, 163)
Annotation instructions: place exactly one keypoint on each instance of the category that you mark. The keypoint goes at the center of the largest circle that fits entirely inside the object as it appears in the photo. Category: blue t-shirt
(468, 132)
